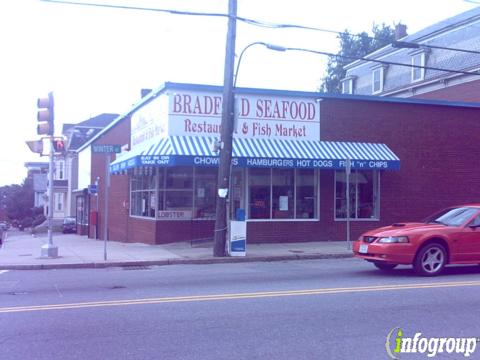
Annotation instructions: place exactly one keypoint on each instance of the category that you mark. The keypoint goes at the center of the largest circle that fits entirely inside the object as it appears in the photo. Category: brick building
(289, 167)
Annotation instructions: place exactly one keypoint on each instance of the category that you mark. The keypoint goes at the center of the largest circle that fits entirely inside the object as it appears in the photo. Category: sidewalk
(21, 251)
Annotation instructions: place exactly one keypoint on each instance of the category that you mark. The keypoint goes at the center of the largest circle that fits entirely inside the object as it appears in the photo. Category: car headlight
(394, 240)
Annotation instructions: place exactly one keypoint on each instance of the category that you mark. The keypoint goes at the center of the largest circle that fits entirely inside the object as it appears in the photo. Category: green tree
(17, 200)
(354, 46)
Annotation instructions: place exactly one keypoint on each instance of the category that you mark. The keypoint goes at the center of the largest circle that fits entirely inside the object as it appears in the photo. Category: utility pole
(45, 117)
(223, 181)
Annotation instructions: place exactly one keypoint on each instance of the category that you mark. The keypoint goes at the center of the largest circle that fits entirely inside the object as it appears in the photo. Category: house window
(282, 194)
(58, 202)
(377, 80)
(347, 86)
(418, 73)
(60, 173)
(363, 195)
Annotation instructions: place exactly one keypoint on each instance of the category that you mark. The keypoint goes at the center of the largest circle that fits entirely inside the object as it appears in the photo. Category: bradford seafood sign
(257, 116)
(199, 113)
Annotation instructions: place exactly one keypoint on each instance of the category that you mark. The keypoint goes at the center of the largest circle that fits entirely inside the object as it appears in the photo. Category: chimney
(145, 92)
(400, 31)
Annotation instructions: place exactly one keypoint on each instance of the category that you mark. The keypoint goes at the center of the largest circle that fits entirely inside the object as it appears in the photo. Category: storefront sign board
(175, 215)
(150, 121)
(257, 116)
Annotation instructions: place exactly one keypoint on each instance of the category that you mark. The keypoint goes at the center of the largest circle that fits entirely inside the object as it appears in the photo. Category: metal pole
(347, 182)
(223, 181)
(96, 194)
(105, 217)
(49, 250)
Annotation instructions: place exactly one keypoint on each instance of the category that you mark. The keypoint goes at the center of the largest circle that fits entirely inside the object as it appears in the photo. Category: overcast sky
(96, 60)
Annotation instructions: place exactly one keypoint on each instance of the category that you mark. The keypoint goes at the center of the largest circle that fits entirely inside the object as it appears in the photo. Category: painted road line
(238, 296)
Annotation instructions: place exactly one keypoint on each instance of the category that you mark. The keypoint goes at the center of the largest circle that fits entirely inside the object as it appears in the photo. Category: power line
(281, 48)
(124, 7)
(253, 22)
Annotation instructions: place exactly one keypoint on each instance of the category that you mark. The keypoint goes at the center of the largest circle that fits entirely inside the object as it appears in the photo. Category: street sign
(106, 148)
(92, 189)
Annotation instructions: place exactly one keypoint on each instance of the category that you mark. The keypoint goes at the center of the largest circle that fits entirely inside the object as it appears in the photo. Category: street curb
(222, 260)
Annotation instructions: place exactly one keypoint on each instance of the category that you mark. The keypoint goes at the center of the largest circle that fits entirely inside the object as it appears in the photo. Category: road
(316, 309)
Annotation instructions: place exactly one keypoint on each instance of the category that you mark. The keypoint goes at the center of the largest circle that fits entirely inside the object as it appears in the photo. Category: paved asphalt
(310, 309)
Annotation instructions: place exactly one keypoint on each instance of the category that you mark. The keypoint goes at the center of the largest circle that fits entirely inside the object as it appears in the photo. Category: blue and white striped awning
(246, 152)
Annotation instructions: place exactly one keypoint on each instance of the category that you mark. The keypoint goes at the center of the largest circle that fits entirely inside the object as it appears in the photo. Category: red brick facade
(469, 91)
(118, 196)
(437, 146)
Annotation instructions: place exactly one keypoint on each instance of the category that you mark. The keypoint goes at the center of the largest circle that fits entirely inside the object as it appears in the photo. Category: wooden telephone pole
(223, 182)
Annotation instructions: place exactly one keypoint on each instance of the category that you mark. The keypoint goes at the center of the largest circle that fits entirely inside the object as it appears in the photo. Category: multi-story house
(66, 166)
(442, 62)
(38, 172)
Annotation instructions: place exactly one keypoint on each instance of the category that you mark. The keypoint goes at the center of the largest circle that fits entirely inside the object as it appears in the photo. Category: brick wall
(118, 194)
(469, 91)
(437, 146)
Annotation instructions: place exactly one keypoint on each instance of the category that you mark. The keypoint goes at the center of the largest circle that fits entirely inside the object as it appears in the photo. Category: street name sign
(106, 148)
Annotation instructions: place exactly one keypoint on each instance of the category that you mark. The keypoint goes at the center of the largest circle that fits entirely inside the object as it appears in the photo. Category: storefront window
(363, 195)
(259, 186)
(205, 187)
(143, 195)
(237, 183)
(176, 190)
(306, 194)
(282, 194)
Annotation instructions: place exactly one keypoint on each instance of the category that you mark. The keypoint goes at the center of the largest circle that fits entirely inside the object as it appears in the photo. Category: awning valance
(247, 152)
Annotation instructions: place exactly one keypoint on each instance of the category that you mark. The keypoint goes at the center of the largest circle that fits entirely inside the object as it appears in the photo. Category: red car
(451, 236)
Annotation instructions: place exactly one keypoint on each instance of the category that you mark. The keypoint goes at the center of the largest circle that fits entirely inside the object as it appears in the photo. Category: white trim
(149, 218)
(380, 71)
(347, 85)
(280, 220)
(414, 69)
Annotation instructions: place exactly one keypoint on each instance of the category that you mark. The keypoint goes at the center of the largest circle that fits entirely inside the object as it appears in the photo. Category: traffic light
(45, 115)
(58, 145)
(36, 146)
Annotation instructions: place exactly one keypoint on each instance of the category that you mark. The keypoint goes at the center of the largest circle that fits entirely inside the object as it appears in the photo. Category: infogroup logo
(397, 344)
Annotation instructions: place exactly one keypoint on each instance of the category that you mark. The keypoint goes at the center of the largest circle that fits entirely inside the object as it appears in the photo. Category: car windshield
(452, 217)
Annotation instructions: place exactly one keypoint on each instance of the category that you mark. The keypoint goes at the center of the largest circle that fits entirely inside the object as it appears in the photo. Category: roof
(36, 164)
(428, 32)
(85, 130)
(316, 95)
(270, 92)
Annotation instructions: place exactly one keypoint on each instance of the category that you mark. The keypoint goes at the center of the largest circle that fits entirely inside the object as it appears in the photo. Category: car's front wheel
(385, 266)
(430, 260)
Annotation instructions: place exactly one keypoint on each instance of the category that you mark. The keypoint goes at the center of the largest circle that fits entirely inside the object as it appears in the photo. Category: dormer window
(378, 74)
(347, 85)
(418, 59)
